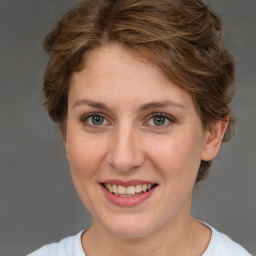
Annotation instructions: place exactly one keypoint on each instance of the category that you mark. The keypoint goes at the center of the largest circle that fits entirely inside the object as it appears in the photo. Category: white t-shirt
(220, 245)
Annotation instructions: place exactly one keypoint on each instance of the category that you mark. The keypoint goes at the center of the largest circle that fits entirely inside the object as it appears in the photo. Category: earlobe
(213, 140)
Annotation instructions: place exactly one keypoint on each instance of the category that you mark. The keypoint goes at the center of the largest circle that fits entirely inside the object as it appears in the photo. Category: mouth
(128, 191)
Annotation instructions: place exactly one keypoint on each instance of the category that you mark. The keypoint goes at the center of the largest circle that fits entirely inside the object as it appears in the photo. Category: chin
(130, 227)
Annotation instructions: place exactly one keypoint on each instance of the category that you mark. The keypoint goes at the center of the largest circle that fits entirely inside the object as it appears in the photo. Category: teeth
(130, 190)
(144, 187)
(121, 190)
(114, 188)
(109, 187)
(138, 189)
(127, 191)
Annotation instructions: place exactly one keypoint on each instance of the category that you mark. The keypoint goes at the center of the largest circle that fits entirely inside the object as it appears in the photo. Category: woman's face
(128, 129)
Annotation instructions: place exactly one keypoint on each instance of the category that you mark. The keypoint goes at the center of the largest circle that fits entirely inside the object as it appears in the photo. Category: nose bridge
(125, 153)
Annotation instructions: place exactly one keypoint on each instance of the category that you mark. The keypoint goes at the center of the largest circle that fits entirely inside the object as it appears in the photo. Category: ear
(213, 140)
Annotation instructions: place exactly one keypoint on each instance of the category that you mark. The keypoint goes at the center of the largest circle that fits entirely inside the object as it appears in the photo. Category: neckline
(80, 251)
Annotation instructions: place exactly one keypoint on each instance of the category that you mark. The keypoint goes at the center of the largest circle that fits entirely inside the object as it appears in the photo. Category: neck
(181, 236)
(187, 237)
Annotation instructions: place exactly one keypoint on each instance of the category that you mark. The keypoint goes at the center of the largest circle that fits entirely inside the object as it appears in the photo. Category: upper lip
(127, 182)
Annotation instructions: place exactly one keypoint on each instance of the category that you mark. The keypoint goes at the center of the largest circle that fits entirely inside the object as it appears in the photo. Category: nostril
(126, 160)
(124, 164)
(124, 153)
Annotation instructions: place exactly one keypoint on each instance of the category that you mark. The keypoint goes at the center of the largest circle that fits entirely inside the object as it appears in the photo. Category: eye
(160, 119)
(95, 119)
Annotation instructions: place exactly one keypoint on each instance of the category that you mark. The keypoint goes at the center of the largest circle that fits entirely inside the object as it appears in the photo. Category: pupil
(97, 120)
(159, 121)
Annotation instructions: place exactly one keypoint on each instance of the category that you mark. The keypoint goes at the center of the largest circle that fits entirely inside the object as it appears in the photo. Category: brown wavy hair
(182, 37)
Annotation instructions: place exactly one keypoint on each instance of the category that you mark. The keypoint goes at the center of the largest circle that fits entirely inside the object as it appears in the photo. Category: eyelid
(83, 118)
(161, 114)
(170, 118)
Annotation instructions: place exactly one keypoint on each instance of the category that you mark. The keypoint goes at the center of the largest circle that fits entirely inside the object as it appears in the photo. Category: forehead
(113, 61)
(113, 71)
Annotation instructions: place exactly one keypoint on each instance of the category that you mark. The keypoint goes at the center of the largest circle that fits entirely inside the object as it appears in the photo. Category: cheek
(85, 157)
(84, 154)
(177, 157)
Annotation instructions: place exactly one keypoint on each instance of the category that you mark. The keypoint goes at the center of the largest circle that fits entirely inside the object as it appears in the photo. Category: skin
(129, 145)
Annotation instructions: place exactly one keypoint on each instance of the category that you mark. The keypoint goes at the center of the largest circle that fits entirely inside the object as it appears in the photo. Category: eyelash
(161, 115)
(170, 119)
(85, 118)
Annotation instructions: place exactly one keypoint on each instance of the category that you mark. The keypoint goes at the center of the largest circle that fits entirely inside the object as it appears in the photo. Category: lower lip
(127, 201)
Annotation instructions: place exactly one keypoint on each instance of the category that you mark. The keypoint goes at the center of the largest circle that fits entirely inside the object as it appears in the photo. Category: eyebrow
(143, 107)
(90, 103)
(161, 104)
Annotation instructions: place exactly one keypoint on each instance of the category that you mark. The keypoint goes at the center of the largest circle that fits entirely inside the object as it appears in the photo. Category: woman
(140, 91)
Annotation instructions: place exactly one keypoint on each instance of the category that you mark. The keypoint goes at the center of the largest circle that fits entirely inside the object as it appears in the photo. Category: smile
(129, 191)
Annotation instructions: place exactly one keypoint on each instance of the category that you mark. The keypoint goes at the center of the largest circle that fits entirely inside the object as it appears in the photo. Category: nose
(125, 153)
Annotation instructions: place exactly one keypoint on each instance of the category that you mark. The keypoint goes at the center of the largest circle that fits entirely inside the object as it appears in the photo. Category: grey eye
(96, 120)
(159, 120)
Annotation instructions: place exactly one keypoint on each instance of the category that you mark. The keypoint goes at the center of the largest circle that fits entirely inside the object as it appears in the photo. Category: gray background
(38, 203)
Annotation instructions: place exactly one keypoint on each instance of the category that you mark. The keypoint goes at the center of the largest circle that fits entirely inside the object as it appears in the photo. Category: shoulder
(69, 246)
(222, 245)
